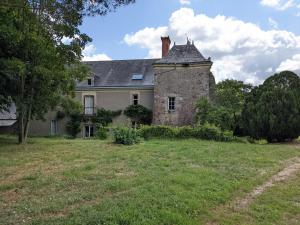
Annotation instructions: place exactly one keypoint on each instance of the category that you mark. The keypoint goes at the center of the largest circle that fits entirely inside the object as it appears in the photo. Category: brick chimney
(165, 41)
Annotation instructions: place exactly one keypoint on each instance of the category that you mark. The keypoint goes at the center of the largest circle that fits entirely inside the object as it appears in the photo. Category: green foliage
(37, 66)
(101, 132)
(272, 110)
(126, 136)
(157, 132)
(204, 108)
(205, 132)
(231, 94)
(60, 115)
(218, 115)
(225, 112)
(74, 124)
(138, 114)
(105, 117)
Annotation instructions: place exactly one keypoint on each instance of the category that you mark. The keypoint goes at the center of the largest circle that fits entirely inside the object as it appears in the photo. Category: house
(8, 120)
(169, 86)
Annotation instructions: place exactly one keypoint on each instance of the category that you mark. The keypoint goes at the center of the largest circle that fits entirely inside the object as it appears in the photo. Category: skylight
(137, 77)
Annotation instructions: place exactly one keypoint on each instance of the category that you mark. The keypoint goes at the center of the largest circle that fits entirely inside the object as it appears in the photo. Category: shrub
(126, 136)
(185, 132)
(157, 132)
(205, 132)
(101, 132)
(74, 124)
(105, 117)
(138, 114)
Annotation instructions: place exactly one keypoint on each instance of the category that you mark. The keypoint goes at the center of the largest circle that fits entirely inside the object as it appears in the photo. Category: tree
(230, 96)
(138, 114)
(37, 67)
(104, 117)
(272, 110)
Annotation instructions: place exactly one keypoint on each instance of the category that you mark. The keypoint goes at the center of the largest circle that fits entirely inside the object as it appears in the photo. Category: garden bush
(101, 132)
(205, 132)
(126, 136)
(157, 132)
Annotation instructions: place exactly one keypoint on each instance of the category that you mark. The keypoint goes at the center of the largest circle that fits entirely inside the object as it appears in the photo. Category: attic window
(89, 81)
(137, 77)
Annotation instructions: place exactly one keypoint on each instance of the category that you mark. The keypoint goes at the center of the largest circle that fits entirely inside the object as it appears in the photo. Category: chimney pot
(165, 41)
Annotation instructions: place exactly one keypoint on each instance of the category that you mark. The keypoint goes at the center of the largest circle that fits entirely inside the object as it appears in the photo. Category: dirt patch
(243, 203)
(283, 175)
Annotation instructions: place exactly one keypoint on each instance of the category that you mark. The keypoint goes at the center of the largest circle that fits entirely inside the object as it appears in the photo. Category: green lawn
(159, 182)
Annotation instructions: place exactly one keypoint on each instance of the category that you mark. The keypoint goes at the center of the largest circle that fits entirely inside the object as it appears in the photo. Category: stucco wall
(187, 84)
(112, 99)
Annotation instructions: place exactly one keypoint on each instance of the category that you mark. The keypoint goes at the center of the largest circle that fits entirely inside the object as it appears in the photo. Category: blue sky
(247, 40)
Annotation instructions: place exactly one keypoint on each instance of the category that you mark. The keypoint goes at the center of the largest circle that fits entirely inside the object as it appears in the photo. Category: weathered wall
(112, 99)
(187, 84)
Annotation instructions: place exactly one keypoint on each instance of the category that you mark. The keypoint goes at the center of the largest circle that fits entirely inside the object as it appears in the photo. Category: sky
(247, 40)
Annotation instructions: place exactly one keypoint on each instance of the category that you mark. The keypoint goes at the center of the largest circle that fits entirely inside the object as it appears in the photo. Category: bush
(157, 132)
(138, 114)
(105, 117)
(185, 132)
(205, 132)
(101, 132)
(74, 124)
(126, 136)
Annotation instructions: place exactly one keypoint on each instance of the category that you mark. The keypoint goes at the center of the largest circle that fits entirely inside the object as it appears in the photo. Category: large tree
(272, 110)
(37, 67)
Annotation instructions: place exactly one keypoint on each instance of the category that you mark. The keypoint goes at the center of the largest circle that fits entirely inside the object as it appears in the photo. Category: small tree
(138, 114)
(104, 117)
(272, 110)
(204, 107)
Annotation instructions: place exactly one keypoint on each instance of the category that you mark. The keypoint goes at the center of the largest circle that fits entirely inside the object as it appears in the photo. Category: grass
(59, 181)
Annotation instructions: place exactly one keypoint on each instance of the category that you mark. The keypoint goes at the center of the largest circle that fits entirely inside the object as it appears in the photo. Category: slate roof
(118, 73)
(183, 54)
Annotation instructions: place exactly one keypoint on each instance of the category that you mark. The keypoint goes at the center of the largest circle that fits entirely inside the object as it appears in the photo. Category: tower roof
(183, 54)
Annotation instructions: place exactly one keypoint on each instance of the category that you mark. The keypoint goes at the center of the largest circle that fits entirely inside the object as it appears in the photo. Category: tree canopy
(37, 67)
(272, 110)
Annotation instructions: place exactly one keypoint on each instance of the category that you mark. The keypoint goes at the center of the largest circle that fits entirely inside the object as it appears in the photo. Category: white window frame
(90, 127)
(174, 104)
(53, 127)
(89, 110)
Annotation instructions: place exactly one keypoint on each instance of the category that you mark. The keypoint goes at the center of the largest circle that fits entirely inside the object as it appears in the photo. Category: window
(135, 99)
(88, 105)
(89, 131)
(89, 81)
(53, 127)
(171, 103)
(137, 77)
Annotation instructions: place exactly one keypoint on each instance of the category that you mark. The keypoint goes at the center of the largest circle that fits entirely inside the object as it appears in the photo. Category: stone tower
(181, 77)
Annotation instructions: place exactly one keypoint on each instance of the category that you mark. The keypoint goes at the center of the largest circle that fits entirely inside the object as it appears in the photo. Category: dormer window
(137, 77)
(89, 81)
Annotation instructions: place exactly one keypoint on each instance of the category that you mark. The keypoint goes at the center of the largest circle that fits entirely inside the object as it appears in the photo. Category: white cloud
(292, 64)
(278, 4)
(239, 50)
(185, 2)
(89, 54)
(273, 23)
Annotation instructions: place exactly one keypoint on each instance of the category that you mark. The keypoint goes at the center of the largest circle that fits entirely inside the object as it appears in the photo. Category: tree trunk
(21, 127)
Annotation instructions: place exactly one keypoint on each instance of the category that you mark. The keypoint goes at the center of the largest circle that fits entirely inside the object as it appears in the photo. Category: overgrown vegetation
(126, 136)
(272, 110)
(204, 132)
(138, 114)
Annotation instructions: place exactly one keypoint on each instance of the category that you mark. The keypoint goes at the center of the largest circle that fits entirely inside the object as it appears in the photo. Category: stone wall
(187, 84)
